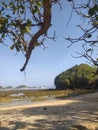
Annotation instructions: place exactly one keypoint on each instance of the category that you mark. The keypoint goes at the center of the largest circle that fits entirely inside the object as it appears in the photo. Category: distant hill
(22, 87)
(8, 87)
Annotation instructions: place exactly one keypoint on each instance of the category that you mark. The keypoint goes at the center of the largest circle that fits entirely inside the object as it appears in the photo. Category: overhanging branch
(47, 4)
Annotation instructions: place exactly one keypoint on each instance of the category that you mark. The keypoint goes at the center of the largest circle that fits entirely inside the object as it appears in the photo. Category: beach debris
(45, 108)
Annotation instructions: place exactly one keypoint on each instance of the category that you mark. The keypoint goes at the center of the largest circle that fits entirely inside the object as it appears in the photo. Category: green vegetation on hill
(79, 76)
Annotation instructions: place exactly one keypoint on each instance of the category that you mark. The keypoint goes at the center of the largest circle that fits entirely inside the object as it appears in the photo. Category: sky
(44, 65)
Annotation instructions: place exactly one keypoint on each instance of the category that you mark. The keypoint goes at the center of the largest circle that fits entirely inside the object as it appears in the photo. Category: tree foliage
(79, 76)
(26, 23)
(22, 20)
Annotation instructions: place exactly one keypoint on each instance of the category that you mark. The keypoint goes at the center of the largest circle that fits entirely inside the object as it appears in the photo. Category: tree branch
(43, 29)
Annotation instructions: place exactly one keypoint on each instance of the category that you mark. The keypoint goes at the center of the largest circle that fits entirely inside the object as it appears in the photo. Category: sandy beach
(74, 113)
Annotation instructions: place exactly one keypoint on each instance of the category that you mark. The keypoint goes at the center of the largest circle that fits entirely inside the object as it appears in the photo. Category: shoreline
(51, 102)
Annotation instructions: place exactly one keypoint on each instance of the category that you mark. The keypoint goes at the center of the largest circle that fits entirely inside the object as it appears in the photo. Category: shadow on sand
(80, 115)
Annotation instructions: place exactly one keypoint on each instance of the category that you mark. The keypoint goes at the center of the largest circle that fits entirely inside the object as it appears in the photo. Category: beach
(73, 113)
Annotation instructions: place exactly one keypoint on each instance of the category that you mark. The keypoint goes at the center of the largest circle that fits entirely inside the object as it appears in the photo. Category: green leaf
(3, 20)
(37, 44)
(89, 49)
(3, 35)
(91, 11)
(27, 28)
(13, 23)
(11, 3)
(88, 35)
(1, 25)
(29, 21)
(96, 18)
(18, 46)
(3, 3)
(12, 47)
(95, 7)
(95, 23)
(39, 3)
